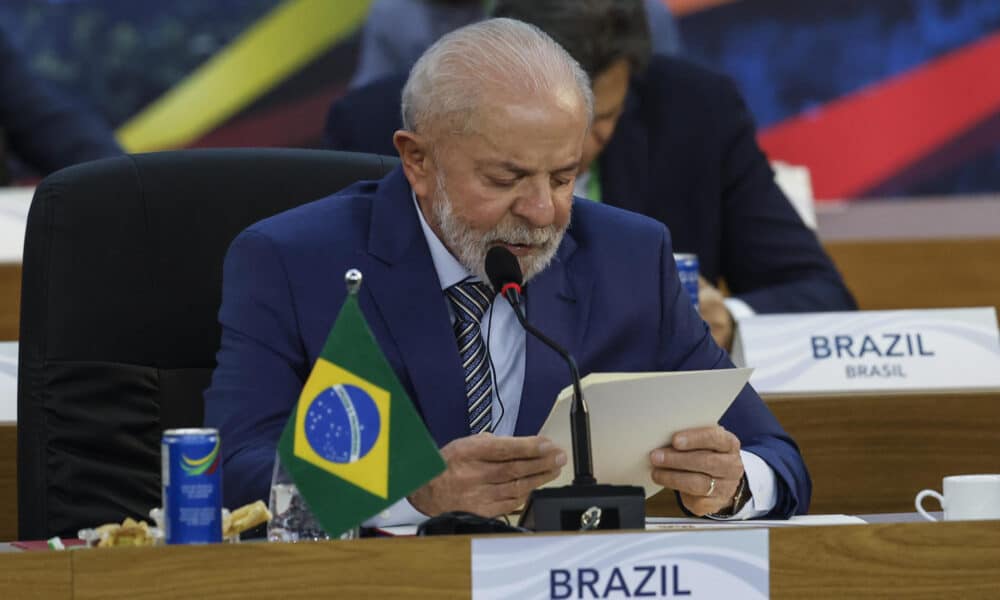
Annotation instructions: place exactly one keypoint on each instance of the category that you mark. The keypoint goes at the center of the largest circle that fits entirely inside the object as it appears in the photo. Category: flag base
(565, 508)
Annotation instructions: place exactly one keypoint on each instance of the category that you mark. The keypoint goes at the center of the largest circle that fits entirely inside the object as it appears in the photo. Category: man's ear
(414, 154)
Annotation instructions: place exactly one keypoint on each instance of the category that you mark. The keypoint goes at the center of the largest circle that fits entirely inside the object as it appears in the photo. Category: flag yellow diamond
(342, 427)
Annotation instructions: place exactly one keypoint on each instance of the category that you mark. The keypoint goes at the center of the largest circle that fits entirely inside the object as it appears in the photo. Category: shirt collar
(580, 186)
(449, 270)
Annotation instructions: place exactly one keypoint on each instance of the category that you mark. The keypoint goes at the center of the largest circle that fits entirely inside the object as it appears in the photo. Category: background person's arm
(770, 259)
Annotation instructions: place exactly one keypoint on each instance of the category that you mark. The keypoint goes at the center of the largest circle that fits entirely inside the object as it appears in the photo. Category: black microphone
(505, 276)
(584, 504)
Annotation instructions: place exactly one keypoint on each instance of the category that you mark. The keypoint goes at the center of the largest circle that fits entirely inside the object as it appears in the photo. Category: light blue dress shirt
(505, 338)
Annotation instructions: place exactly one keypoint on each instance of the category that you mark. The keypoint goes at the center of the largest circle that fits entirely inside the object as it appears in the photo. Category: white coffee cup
(965, 498)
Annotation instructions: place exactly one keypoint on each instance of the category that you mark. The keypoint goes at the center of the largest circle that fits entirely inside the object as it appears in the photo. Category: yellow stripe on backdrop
(275, 47)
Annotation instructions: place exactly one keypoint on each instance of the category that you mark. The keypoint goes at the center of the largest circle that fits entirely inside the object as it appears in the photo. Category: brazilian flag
(354, 444)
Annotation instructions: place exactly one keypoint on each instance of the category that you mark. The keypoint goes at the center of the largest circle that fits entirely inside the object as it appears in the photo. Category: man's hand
(715, 313)
(489, 475)
(693, 460)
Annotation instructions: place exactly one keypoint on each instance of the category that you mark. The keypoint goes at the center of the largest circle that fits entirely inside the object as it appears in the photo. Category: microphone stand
(584, 504)
(579, 415)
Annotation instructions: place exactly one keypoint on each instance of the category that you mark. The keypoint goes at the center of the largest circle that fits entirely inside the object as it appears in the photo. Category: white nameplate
(887, 350)
(8, 382)
(693, 564)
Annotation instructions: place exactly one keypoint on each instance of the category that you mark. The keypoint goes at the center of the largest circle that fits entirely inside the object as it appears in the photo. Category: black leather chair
(120, 293)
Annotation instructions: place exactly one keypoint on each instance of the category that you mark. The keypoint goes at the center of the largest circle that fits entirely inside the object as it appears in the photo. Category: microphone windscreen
(502, 267)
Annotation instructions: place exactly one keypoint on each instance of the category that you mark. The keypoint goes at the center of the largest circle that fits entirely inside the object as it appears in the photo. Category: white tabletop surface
(8, 382)
(14, 203)
(922, 218)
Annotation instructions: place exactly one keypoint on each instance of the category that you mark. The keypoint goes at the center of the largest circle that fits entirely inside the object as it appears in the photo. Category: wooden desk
(872, 453)
(8, 481)
(14, 206)
(918, 253)
(897, 560)
(10, 301)
(930, 273)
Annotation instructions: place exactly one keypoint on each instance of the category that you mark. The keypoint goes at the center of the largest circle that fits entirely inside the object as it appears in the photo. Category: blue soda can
(687, 269)
(192, 486)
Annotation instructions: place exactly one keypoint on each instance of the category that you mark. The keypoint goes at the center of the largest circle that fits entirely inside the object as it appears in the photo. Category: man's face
(610, 87)
(509, 182)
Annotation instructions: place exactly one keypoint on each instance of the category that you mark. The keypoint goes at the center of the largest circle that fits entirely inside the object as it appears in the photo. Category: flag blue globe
(342, 423)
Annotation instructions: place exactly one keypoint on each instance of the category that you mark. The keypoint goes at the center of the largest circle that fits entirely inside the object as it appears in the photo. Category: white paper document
(675, 523)
(685, 523)
(631, 414)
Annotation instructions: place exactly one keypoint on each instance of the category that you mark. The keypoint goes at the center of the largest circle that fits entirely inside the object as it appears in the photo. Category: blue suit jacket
(685, 153)
(611, 297)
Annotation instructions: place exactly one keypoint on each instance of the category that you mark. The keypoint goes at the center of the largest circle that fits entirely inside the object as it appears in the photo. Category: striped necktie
(469, 301)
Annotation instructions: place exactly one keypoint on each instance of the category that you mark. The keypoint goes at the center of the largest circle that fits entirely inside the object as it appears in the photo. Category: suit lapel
(408, 296)
(558, 304)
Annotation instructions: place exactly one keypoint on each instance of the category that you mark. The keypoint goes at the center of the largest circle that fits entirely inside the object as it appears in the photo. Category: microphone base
(561, 508)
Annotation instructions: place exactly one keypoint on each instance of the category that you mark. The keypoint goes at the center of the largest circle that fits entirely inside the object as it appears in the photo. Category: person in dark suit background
(496, 116)
(41, 127)
(671, 140)
(397, 32)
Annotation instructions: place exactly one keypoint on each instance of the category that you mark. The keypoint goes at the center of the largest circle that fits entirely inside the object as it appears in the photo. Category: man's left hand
(713, 309)
(694, 460)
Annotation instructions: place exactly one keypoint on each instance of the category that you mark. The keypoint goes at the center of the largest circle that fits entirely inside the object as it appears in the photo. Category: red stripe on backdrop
(295, 123)
(853, 144)
(680, 8)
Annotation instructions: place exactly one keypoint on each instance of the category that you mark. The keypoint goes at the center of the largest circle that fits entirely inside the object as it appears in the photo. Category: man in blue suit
(670, 140)
(495, 119)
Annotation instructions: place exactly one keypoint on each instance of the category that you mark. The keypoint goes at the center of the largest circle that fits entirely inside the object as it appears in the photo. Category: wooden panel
(872, 454)
(8, 482)
(370, 568)
(902, 560)
(920, 273)
(664, 504)
(42, 575)
(899, 560)
(10, 301)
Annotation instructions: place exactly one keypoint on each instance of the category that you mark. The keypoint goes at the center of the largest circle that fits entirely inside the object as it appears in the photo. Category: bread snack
(127, 533)
(245, 518)
(139, 533)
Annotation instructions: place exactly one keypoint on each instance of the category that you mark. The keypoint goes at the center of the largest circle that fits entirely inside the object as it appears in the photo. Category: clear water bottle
(292, 520)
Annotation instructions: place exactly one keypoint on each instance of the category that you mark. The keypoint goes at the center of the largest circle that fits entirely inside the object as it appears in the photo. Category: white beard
(470, 246)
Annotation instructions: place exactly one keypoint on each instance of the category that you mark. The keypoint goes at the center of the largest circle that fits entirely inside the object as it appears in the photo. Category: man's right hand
(489, 475)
